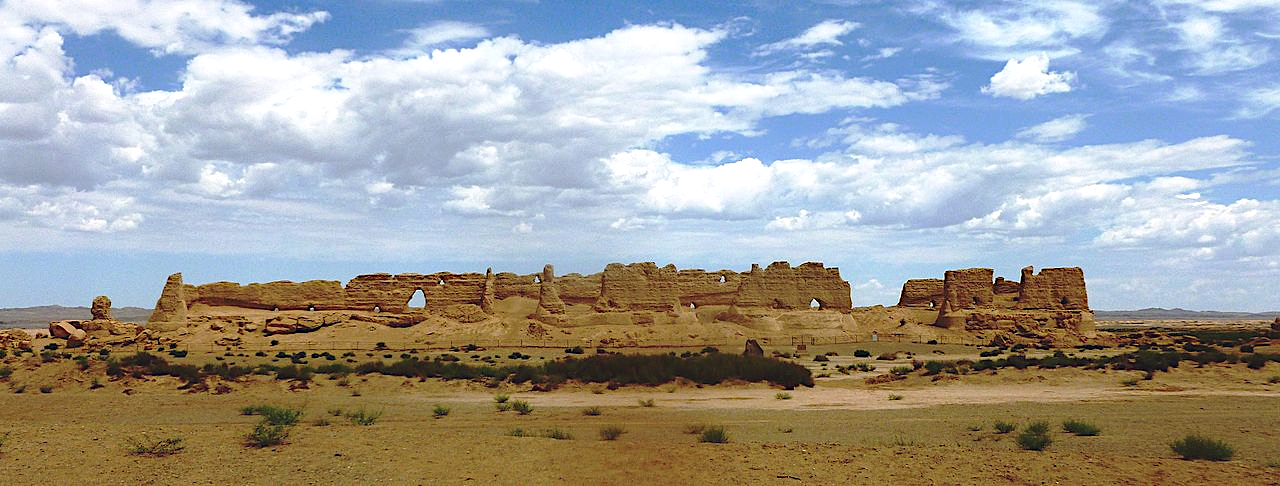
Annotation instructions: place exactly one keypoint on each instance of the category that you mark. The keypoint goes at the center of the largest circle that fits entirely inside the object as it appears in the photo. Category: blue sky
(258, 141)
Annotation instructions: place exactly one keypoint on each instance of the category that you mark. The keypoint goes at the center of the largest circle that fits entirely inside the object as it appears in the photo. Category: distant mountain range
(1157, 313)
(39, 317)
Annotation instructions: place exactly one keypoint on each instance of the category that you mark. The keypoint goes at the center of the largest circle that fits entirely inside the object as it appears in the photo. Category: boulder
(62, 329)
(15, 339)
(753, 349)
(101, 309)
(76, 338)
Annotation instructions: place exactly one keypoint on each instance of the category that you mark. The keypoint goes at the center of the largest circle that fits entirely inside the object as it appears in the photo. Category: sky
(296, 140)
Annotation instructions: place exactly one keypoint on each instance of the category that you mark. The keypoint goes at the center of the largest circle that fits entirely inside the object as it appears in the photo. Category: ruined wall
(391, 293)
(638, 286)
(699, 287)
(779, 286)
(1003, 286)
(172, 304)
(507, 284)
(1053, 288)
(283, 295)
(968, 288)
(578, 289)
(921, 292)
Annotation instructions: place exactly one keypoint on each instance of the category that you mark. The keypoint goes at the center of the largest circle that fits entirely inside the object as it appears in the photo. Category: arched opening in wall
(377, 309)
(693, 306)
(722, 280)
(1064, 301)
(537, 279)
(418, 300)
(814, 304)
(275, 309)
(932, 304)
(311, 308)
(439, 282)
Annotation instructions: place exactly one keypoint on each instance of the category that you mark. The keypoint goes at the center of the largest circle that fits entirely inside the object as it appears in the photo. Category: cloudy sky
(303, 139)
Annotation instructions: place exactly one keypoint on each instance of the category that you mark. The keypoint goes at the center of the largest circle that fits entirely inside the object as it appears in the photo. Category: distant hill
(1157, 313)
(32, 317)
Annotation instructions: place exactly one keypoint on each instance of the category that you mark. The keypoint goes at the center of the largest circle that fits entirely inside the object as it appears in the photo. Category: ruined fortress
(623, 305)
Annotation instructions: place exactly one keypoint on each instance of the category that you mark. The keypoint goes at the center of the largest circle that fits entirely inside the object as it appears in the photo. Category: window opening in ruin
(932, 304)
(1015, 299)
(975, 300)
(440, 282)
(814, 304)
(1064, 301)
(275, 309)
(722, 279)
(377, 309)
(418, 300)
(311, 308)
(537, 279)
(693, 305)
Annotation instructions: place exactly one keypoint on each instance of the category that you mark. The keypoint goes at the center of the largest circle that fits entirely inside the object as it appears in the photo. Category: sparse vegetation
(521, 407)
(366, 418)
(861, 353)
(591, 411)
(46, 388)
(516, 432)
(440, 411)
(1035, 437)
(646, 403)
(5, 372)
(895, 397)
(1195, 447)
(782, 396)
(611, 432)
(901, 370)
(1080, 428)
(274, 415)
(267, 435)
(1003, 427)
(714, 434)
(143, 446)
(555, 433)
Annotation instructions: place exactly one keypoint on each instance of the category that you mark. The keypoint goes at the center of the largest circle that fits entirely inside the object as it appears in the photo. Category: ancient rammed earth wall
(1051, 289)
(922, 292)
(968, 288)
(630, 287)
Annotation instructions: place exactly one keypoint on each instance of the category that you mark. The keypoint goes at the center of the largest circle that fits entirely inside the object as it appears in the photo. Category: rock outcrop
(15, 339)
(101, 309)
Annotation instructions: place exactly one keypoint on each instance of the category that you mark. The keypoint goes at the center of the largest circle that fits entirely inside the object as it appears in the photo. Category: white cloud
(522, 228)
(882, 53)
(1028, 78)
(425, 37)
(1260, 102)
(1020, 29)
(1055, 130)
(825, 33)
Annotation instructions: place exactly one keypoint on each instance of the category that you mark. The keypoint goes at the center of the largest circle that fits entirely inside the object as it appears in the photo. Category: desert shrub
(1193, 447)
(1081, 428)
(861, 353)
(142, 446)
(440, 411)
(1003, 427)
(501, 398)
(267, 435)
(1256, 361)
(863, 367)
(1274, 379)
(1035, 437)
(502, 406)
(895, 397)
(274, 415)
(901, 370)
(517, 432)
(19, 389)
(611, 432)
(889, 356)
(1246, 348)
(932, 341)
(362, 417)
(782, 396)
(4, 440)
(591, 411)
(990, 354)
(555, 433)
(46, 388)
(646, 403)
(575, 350)
(714, 434)
(5, 372)
(521, 407)
(821, 358)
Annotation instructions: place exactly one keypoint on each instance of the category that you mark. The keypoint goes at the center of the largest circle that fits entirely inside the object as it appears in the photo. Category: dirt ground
(915, 431)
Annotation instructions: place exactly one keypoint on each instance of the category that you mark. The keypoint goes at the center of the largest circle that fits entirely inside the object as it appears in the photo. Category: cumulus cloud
(1020, 29)
(1055, 130)
(427, 36)
(1028, 78)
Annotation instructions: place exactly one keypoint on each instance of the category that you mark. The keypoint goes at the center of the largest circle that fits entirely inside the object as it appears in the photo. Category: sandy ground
(840, 431)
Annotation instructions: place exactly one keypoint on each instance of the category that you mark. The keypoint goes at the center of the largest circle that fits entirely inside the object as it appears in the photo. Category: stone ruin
(971, 300)
(470, 297)
(101, 328)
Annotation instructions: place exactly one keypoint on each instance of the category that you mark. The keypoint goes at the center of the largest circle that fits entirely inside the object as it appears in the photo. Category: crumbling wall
(700, 287)
(507, 284)
(1053, 288)
(638, 286)
(921, 292)
(1003, 286)
(391, 293)
(779, 286)
(967, 289)
(283, 295)
(579, 289)
(172, 304)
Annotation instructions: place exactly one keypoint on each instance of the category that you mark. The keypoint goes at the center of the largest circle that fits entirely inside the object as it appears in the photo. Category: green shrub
(556, 434)
(611, 432)
(1080, 428)
(521, 407)
(440, 411)
(362, 417)
(1274, 379)
(5, 372)
(782, 396)
(714, 434)
(1003, 427)
(575, 350)
(821, 358)
(516, 432)
(142, 446)
(502, 406)
(864, 367)
(4, 440)
(267, 435)
(1193, 447)
(274, 415)
(646, 403)
(901, 370)
(501, 398)
(591, 411)
(861, 353)
(895, 397)
(1035, 437)
(46, 388)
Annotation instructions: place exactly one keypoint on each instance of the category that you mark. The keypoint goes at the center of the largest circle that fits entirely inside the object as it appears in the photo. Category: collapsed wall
(921, 292)
(971, 300)
(619, 288)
